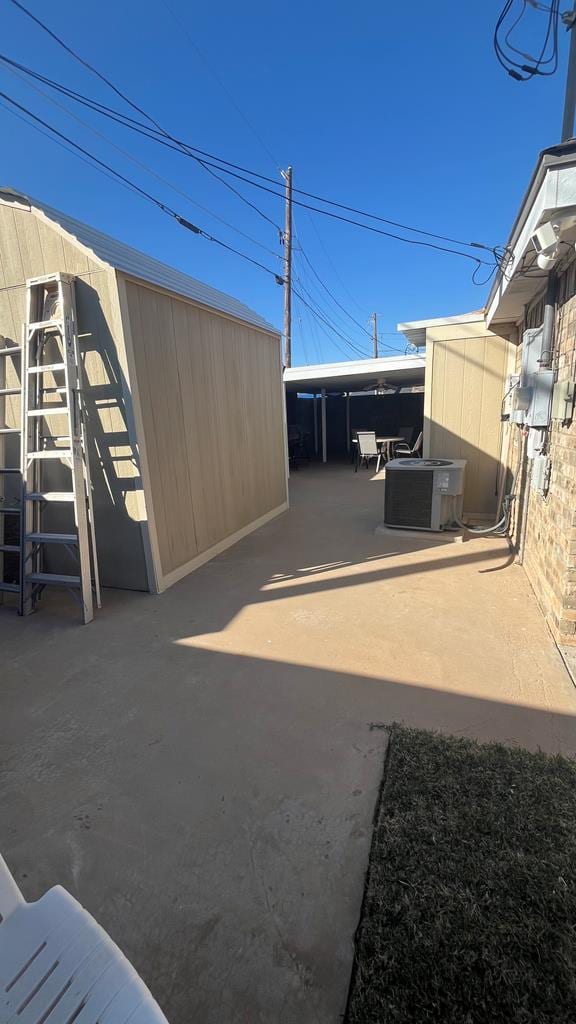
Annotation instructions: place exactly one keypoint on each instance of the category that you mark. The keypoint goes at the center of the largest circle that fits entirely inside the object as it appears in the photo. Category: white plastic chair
(58, 966)
(367, 449)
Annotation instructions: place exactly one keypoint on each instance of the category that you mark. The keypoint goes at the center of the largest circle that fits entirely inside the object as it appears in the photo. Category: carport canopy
(353, 376)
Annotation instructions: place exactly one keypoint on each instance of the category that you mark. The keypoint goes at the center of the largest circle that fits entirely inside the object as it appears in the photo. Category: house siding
(466, 368)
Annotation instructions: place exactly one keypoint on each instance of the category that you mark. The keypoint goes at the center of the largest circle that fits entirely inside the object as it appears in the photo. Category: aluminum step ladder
(52, 391)
(10, 470)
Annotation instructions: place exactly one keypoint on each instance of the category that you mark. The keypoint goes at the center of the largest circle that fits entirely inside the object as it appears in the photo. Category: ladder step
(59, 410)
(10, 350)
(50, 496)
(10, 510)
(9, 391)
(52, 538)
(51, 453)
(44, 325)
(46, 367)
(9, 548)
(52, 391)
(52, 577)
(10, 430)
(4, 471)
(10, 588)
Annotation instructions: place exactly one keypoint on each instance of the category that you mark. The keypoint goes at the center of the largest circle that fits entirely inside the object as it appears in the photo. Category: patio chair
(367, 449)
(57, 965)
(404, 451)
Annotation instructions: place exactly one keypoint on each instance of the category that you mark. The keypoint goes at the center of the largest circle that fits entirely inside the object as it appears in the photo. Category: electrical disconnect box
(563, 400)
(540, 478)
(533, 396)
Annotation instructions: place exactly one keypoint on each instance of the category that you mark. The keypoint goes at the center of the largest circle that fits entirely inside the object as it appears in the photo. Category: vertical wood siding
(465, 380)
(210, 391)
(31, 248)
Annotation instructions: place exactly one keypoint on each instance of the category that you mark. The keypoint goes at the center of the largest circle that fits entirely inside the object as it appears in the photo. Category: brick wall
(549, 536)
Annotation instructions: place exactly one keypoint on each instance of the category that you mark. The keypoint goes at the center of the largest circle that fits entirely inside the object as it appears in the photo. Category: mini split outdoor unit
(423, 494)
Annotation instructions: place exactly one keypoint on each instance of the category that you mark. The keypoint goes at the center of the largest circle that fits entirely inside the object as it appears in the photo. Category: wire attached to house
(507, 54)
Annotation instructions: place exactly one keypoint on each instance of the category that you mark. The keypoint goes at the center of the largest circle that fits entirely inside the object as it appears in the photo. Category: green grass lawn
(469, 913)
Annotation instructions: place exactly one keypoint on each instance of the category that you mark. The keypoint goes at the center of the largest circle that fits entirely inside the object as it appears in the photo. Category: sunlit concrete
(200, 769)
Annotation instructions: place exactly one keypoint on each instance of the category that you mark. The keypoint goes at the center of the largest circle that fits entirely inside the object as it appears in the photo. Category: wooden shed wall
(466, 369)
(31, 247)
(211, 402)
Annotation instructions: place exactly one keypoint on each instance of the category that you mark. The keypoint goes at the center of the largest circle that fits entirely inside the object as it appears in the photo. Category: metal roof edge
(135, 264)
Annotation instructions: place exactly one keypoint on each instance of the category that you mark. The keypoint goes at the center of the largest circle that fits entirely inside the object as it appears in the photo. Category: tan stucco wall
(466, 370)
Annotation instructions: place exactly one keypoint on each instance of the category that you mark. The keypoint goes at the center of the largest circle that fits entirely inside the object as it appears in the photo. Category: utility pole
(569, 20)
(287, 175)
(375, 335)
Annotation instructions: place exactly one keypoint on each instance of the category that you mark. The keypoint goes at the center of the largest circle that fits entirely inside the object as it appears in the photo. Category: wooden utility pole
(375, 335)
(569, 20)
(287, 175)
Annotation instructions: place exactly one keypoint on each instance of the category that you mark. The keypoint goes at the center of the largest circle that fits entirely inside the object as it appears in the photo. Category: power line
(317, 312)
(145, 167)
(354, 347)
(134, 106)
(127, 182)
(231, 169)
(225, 90)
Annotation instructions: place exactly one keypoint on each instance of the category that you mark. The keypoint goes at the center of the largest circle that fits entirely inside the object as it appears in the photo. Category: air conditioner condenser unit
(423, 494)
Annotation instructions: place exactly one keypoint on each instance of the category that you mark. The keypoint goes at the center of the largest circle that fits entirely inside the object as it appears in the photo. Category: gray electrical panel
(538, 412)
(534, 395)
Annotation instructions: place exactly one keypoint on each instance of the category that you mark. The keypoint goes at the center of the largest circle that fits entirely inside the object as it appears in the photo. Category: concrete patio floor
(200, 769)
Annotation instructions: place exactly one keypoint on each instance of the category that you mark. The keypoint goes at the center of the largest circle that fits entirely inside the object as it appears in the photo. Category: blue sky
(400, 109)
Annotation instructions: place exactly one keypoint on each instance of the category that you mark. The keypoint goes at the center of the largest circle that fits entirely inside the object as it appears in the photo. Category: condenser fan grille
(408, 498)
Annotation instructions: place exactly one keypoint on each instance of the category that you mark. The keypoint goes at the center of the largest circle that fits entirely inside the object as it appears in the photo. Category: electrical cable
(145, 167)
(133, 105)
(164, 207)
(161, 135)
(323, 319)
(544, 65)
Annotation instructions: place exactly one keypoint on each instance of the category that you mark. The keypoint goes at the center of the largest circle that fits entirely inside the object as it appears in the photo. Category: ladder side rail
(84, 439)
(78, 481)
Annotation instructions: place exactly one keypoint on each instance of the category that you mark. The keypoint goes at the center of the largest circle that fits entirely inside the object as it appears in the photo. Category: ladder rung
(44, 325)
(58, 410)
(46, 367)
(52, 538)
(55, 437)
(50, 496)
(4, 471)
(53, 391)
(9, 548)
(52, 453)
(9, 391)
(10, 350)
(10, 430)
(10, 588)
(11, 510)
(52, 577)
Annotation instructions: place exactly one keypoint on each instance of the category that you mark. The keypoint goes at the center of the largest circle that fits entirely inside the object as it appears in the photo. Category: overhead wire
(145, 167)
(182, 25)
(546, 63)
(122, 95)
(218, 164)
(131, 185)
